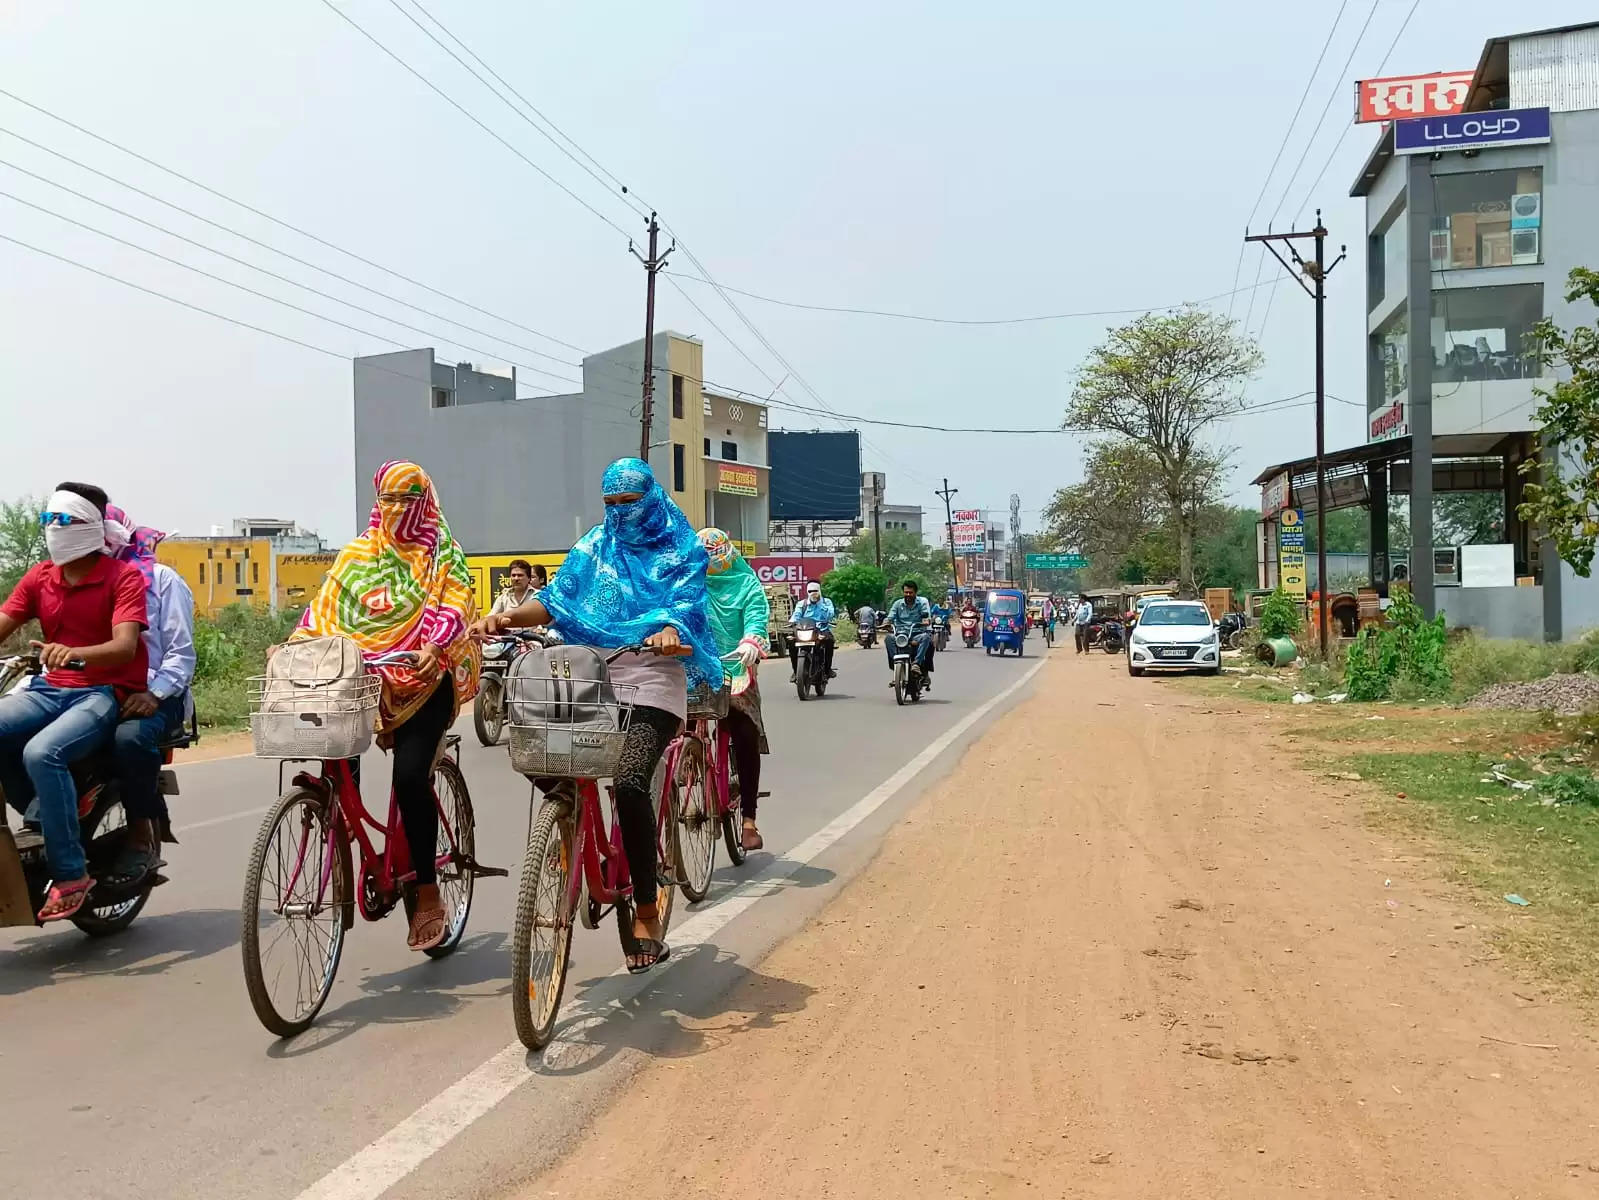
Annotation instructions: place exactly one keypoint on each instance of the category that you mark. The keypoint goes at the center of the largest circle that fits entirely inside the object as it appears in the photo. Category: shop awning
(1345, 470)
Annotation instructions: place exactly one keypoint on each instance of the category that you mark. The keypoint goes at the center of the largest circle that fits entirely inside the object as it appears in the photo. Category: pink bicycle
(702, 779)
(301, 890)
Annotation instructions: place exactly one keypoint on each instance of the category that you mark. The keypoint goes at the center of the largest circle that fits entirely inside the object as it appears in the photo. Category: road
(135, 1067)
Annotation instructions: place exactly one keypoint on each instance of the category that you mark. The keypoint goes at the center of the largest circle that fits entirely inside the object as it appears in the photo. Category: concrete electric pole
(652, 266)
(949, 528)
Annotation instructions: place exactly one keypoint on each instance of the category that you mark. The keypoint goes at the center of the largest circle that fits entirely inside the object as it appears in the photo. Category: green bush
(1479, 662)
(1279, 616)
(853, 586)
(1406, 661)
(229, 648)
(1367, 676)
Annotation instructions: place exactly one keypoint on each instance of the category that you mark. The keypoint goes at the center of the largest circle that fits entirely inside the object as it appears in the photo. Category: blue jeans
(43, 731)
(921, 649)
(138, 760)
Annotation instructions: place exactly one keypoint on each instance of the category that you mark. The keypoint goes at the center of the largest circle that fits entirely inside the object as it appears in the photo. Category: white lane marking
(223, 820)
(382, 1163)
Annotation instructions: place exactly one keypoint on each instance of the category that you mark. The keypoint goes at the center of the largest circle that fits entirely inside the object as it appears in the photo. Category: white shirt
(169, 637)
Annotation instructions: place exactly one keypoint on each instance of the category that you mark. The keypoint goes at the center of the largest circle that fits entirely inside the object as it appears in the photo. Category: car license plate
(1172, 652)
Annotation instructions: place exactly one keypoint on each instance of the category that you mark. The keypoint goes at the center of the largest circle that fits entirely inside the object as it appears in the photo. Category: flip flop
(421, 921)
(656, 951)
(73, 895)
(751, 838)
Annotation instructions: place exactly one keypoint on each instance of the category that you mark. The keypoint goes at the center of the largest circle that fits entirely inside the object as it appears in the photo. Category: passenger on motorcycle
(912, 616)
(526, 581)
(818, 608)
(92, 610)
(158, 712)
(639, 577)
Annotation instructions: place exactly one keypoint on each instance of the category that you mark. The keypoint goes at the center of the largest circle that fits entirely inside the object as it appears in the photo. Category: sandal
(132, 865)
(653, 949)
(752, 837)
(65, 899)
(427, 918)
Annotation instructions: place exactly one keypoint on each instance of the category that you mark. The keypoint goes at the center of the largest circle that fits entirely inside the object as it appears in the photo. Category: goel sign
(1291, 552)
(1056, 562)
(1472, 131)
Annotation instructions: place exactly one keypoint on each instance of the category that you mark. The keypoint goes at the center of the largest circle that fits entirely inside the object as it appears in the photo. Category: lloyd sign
(1388, 423)
(1472, 131)
(1400, 96)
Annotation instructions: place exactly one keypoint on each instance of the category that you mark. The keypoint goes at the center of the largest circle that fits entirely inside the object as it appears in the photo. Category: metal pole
(949, 524)
(1321, 434)
(877, 523)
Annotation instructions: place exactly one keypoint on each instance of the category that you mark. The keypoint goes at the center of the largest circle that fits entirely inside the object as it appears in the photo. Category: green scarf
(738, 610)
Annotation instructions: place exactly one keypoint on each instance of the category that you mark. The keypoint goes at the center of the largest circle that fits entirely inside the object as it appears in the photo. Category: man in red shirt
(92, 610)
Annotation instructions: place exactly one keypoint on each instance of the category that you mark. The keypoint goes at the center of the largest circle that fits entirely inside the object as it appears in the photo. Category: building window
(730, 451)
(1488, 219)
(1393, 349)
(202, 572)
(707, 447)
(677, 397)
(238, 574)
(1388, 276)
(679, 467)
(255, 573)
(1485, 332)
(441, 397)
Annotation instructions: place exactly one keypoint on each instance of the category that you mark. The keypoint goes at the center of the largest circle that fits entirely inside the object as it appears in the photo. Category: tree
(1118, 503)
(1224, 555)
(1348, 531)
(21, 540)
(1562, 496)
(905, 556)
(854, 586)
(1469, 518)
(1161, 382)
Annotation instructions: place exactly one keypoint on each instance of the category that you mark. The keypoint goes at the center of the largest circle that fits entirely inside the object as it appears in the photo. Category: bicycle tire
(546, 881)
(456, 894)
(732, 819)
(314, 806)
(107, 919)
(693, 841)
(489, 726)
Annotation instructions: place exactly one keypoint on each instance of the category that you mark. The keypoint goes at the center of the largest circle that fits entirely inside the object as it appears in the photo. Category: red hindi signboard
(1401, 96)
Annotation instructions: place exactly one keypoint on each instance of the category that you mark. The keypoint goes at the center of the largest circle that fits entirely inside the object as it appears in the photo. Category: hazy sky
(934, 158)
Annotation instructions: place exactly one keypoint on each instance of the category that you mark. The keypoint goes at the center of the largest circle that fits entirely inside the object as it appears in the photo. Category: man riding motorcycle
(912, 616)
(817, 608)
(526, 581)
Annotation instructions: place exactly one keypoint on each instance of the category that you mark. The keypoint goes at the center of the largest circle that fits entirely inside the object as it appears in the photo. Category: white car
(1174, 634)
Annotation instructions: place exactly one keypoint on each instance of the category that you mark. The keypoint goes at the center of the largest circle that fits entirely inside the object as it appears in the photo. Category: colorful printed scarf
(132, 543)
(640, 570)
(402, 585)
(739, 608)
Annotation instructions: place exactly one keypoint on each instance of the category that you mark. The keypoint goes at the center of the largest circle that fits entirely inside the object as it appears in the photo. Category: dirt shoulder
(1127, 949)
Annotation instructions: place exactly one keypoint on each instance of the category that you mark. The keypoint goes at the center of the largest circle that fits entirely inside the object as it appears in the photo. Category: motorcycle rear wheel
(107, 825)
(488, 710)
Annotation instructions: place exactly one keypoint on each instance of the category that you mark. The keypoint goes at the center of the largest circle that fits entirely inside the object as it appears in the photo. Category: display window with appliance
(1484, 333)
(1488, 219)
(1393, 352)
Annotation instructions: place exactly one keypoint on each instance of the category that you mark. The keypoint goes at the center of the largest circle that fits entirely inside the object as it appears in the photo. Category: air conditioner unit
(1526, 210)
(1524, 246)
(1446, 566)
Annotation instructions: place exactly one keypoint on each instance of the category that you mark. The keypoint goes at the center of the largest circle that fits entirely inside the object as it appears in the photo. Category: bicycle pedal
(762, 795)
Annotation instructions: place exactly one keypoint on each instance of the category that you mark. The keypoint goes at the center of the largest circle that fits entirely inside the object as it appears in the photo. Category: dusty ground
(1126, 950)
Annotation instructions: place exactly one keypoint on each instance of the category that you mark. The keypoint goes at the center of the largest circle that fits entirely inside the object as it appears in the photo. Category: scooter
(969, 627)
(810, 667)
(102, 828)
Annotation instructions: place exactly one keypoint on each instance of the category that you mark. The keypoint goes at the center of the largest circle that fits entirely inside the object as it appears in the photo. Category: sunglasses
(47, 519)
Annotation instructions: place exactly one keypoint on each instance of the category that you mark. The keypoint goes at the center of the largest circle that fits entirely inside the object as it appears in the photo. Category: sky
(925, 158)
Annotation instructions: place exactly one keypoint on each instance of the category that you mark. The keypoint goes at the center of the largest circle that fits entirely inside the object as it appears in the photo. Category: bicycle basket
(313, 718)
(704, 704)
(568, 719)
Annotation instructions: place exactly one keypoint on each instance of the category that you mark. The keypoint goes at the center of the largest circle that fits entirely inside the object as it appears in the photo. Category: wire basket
(313, 718)
(705, 705)
(553, 737)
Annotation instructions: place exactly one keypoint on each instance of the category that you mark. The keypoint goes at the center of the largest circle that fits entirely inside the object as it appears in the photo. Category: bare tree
(1160, 382)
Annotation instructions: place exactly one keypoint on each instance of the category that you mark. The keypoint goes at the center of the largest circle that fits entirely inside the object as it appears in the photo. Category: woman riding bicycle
(403, 585)
(639, 577)
(739, 615)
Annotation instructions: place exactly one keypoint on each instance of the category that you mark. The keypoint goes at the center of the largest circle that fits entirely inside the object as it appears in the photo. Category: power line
(467, 113)
(265, 216)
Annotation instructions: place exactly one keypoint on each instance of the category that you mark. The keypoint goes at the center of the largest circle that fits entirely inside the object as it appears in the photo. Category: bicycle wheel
(297, 893)
(455, 883)
(732, 819)
(541, 940)
(693, 838)
(488, 710)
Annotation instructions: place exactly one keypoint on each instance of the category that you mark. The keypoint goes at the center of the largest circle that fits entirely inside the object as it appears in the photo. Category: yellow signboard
(737, 481)
(490, 572)
(747, 549)
(1291, 552)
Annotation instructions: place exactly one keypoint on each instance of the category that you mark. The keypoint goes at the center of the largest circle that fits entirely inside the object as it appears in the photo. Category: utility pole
(1317, 271)
(877, 518)
(949, 526)
(652, 266)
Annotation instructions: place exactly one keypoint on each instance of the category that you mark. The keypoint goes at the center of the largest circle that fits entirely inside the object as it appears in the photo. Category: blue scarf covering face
(639, 571)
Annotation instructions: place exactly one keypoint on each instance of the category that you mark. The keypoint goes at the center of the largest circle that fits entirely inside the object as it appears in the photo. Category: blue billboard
(1472, 131)
(815, 476)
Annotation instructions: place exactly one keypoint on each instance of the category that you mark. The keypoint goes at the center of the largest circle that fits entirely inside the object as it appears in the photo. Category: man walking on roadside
(1080, 622)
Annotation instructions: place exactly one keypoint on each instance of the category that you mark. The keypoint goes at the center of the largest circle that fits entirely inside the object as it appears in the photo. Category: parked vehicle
(810, 669)
(102, 827)
(1005, 622)
(781, 606)
(1231, 629)
(1174, 633)
(1112, 636)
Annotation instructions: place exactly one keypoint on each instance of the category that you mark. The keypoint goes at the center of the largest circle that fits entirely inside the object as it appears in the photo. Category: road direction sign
(1056, 562)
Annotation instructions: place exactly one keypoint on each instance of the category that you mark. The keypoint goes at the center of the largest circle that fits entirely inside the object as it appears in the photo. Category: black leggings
(416, 742)
(648, 735)
(745, 740)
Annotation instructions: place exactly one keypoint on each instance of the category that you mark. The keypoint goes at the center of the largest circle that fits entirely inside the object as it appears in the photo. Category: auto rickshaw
(1005, 621)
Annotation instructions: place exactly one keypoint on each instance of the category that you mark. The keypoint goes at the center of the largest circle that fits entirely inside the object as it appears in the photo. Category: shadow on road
(152, 945)
(704, 1001)
(427, 990)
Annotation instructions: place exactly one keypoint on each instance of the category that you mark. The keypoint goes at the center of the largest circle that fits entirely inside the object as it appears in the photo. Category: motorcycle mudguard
(16, 907)
(167, 784)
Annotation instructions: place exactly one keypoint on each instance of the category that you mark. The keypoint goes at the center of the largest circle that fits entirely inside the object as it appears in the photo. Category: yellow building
(263, 563)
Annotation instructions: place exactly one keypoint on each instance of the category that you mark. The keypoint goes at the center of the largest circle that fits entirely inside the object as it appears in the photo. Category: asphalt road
(134, 1066)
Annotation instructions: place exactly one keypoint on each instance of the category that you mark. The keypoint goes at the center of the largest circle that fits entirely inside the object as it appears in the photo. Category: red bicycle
(703, 778)
(301, 891)
(575, 865)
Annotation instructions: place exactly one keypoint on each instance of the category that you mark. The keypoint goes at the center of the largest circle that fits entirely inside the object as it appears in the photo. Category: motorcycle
(1230, 629)
(969, 627)
(908, 679)
(941, 633)
(866, 629)
(810, 668)
(102, 828)
(1112, 637)
(488, 709)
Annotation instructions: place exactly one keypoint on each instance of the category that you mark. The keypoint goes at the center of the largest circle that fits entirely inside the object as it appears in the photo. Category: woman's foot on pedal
(648, 946)
(428, 919)
(751, 838)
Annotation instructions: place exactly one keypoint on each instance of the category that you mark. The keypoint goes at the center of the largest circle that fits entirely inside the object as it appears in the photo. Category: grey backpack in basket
(566, 717)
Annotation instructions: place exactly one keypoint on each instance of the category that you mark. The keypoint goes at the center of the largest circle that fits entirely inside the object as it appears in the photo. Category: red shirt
(83, 614)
